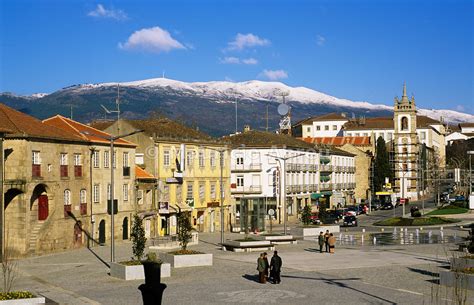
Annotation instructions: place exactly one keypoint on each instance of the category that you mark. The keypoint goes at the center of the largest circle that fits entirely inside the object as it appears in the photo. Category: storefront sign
(213, 204)
(164, 208)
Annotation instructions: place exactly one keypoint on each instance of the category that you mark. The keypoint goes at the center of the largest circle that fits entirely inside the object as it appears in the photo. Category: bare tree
(9, 266)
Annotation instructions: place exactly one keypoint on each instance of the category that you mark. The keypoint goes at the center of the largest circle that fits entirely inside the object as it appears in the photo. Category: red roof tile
(140, 173)
(339, 141)
(86, 132)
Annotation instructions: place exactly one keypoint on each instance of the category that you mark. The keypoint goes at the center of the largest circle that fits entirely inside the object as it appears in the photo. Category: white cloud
(101, 12)
(249, 61)
(460, 108)
(320, 40)
(274, 74)
(243, 41)
(229, 60)
(238, 61)
(153, 39)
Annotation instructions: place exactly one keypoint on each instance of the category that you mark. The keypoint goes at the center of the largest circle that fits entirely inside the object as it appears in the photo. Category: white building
(327, 125)
(463, 132)
(312, 176)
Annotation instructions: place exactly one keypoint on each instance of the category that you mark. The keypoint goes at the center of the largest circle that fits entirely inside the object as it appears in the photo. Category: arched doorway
(40, 195)
(102, 232)
(125, 228)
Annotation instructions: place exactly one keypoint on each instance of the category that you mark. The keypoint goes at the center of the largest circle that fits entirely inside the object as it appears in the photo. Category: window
(166, 193)
(308, 129)
(405, 167)
(95, 159)
(77, 159)
(318, 128)
(201, 190)
(108, 191)
(114, 158)
(179, 192)
(96, 193)
(63, 159)
(166, 158)
(240, 160)
(213, 191)
(334, 127)
(326, 127)
(139, 159)
(125, 192)
(404, 123)
(201, 159)
(189, 191)
(389, 136)
(106, 159)
(126, 161)
(240, 180)
(357, 134)
(189, 159)
(365, 134)
(423, 135)
(83, 196)
(67, 197)
(36, 158)
(212, 158)
(140, 196)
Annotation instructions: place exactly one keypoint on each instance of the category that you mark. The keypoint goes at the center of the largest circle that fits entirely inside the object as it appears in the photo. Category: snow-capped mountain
(209, 106)
(223, 91)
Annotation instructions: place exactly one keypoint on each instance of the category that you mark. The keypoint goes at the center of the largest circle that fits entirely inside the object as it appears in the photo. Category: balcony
(84, 208)
(351, 185)
(67, 210)
(325, 168)
(77, 170)
(325, 186)
(126, 171)
(252, 167)
(36, 170)
(253, 189)
(351, 169)
(63, 172)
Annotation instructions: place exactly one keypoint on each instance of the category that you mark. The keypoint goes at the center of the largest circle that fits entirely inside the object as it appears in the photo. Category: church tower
(405, 147)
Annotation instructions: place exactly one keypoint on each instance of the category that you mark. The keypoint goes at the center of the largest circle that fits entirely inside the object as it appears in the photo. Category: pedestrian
(275, 267)
(321, 240)
(261, 269)
(267, 265)
(332, 243)
(326, 238)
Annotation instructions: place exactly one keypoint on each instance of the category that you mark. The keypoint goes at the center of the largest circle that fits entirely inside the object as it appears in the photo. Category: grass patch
(15, 295)
(185, 252)
(131, 263)
(468, 270)
(422, 221)
(447, 210)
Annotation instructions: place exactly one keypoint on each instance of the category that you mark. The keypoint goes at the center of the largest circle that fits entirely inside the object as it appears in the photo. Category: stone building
(186, 165)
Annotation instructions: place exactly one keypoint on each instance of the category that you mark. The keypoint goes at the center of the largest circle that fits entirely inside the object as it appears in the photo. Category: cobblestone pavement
(397, 274)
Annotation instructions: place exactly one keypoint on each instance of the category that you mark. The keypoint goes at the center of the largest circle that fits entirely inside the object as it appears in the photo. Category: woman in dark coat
(267, 265)
(261, 269)
(275, 267)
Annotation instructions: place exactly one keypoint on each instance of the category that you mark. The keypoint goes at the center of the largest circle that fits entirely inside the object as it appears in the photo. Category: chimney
(246, 128)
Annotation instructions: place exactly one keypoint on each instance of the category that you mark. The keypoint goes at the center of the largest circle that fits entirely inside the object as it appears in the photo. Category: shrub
(184, 230)
(138, 237)
(15, 295)
(416, 214)
(306, 215)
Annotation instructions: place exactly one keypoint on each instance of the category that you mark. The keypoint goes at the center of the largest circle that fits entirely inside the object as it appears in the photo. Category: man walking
(261, 269)
(275, 267)
(321, 240)
(326, 240)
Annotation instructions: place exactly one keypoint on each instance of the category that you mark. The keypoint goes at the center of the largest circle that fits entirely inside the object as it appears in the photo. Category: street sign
(271, 212)
(402, 200)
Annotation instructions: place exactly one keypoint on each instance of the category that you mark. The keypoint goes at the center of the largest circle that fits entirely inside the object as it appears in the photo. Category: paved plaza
(355, 274)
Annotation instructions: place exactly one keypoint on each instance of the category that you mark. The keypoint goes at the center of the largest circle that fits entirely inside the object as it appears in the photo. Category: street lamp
(282, 163)
(221, 161)
(3, 132)
(112, 139)
(470, 153)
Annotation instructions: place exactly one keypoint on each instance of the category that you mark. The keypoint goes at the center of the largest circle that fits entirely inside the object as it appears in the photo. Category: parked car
(460, 198)
(330, 218)
(375, 205)
(354, 208)
(349, 221)
(363, 208)
(315, 219)
(387, 206)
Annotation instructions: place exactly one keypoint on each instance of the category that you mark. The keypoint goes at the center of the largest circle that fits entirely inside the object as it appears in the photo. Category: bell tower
(405, 146)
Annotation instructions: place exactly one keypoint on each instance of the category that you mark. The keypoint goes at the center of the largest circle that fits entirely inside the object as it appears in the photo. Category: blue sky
(359, 50)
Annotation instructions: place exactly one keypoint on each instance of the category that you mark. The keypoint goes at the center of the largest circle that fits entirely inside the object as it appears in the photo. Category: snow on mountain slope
(222, 91)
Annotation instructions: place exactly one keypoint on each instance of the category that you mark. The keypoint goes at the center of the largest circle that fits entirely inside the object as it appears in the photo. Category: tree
(322, 214)
(306, 215)
(184, 230)
(138, 237)
(381, 165)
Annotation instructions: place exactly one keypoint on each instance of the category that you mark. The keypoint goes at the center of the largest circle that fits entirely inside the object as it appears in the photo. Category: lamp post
(282, 163)
(470, 153)
(112, 140)
(221, 188)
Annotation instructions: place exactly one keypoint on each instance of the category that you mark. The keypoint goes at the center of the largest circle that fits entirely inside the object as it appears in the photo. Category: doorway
(125, 228)
(43, 209)
(102, 232)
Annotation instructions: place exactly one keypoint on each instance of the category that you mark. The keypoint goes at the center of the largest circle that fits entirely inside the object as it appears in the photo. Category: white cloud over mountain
(153, 39)
(243, 41)
(101, 12)
(273, 74)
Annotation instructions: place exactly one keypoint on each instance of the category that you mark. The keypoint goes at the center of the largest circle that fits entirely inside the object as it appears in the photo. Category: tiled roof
(255, 138)
(339, 141)
(88, 133)
(466, 125)
(18, 124)
(325, 117)
(386, 123)
(140, 173)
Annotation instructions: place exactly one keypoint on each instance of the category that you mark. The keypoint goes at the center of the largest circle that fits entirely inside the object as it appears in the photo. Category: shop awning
(322, 194)
(180, 207)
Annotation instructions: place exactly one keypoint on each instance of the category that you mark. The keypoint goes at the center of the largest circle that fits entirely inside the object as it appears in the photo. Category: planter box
(461, 263)
(248, 246)
(190, 260)
(136, 272)
(314, 231)
(456, 279)
(280, 239)
(37, 300)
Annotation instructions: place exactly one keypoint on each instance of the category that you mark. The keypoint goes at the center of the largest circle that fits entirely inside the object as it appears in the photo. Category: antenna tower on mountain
(117, 111)
(285, 112)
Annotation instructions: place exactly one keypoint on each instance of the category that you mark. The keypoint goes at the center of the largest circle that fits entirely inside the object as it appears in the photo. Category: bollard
(363, 230)
(375, 240)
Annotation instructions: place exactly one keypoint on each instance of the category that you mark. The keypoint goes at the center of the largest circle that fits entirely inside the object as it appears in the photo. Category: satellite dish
(283, 109)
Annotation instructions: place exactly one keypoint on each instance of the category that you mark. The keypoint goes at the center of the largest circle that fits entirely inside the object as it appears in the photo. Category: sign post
(271, 212)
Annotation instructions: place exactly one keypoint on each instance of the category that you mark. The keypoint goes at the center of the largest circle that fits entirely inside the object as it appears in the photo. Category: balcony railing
(351, 169)
(84, 208)
(78, 170)
(351, 185)
(252, 167)
(325, 186)
(36, 170)
(325, 168)
(253, 189)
